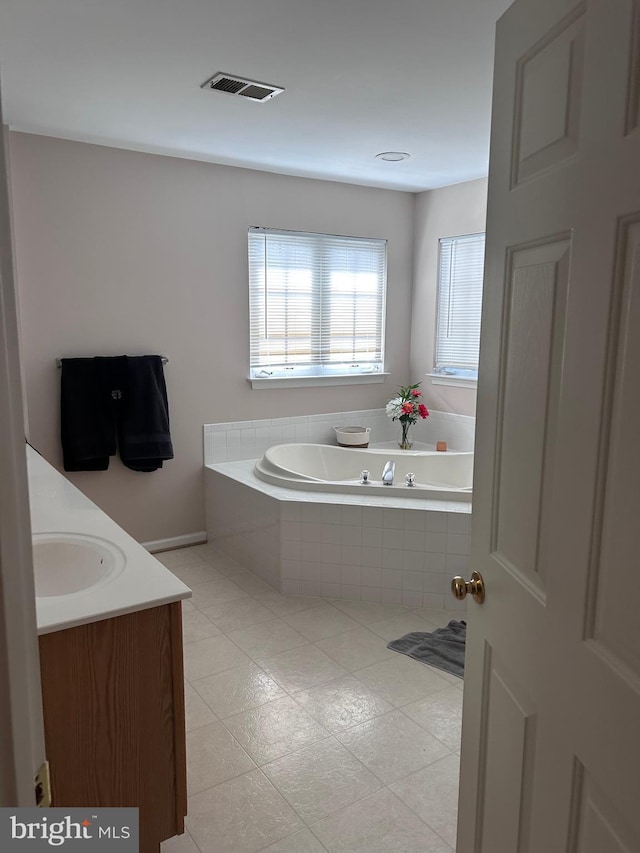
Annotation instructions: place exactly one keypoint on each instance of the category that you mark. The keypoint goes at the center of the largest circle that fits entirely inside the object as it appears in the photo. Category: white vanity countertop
(57, 506)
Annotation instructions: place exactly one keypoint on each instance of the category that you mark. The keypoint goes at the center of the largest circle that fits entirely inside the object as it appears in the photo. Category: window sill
(457, 381)
(310, 381)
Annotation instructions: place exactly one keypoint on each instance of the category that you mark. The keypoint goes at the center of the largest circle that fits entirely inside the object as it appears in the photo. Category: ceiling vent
(249, 89)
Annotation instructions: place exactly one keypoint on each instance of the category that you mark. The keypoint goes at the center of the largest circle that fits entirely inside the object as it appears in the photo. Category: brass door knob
(475, 587)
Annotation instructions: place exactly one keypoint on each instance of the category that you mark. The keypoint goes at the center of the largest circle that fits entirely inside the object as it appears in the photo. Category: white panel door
(551, 724)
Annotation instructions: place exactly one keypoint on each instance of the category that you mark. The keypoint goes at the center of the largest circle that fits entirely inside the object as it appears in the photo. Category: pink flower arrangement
(405, 407)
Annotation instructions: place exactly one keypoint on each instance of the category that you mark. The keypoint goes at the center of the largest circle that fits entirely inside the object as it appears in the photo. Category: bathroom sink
(68, 563)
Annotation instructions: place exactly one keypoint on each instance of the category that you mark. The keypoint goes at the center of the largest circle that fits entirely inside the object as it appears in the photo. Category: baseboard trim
(183, 541)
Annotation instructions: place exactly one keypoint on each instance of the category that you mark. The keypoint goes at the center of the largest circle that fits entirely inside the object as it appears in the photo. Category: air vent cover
(252, 90)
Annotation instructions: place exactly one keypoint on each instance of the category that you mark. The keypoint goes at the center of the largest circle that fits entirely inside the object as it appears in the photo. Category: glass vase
(405, 442)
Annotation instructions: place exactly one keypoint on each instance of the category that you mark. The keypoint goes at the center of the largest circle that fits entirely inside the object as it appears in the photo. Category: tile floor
(305, 734)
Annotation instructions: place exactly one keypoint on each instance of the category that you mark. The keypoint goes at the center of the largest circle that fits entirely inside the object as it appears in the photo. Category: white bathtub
(321, 467)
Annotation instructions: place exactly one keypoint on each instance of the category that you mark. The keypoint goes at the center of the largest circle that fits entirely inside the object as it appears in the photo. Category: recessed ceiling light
(393, 156)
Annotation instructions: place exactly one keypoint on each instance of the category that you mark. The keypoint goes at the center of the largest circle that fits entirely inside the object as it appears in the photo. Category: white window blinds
(316, 304)
(460, 280)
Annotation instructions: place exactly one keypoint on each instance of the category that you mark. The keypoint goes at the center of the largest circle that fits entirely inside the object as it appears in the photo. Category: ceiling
(360, 77)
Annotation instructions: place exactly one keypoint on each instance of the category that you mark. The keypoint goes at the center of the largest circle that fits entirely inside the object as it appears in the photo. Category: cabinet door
(113, 695)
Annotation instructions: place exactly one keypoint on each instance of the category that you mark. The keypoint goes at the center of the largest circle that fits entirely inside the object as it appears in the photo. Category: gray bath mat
(444, 648)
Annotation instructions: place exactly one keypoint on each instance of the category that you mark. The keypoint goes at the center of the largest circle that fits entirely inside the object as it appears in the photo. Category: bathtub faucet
(388, 473)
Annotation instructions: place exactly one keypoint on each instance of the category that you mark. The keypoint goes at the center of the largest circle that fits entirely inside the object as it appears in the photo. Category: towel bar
(164, 358)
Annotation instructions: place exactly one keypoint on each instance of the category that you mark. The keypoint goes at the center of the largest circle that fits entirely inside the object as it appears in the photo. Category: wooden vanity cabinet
(113, 699)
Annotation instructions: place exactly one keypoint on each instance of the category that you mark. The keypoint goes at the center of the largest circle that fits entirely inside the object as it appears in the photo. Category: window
(460, 279)
(316, 304)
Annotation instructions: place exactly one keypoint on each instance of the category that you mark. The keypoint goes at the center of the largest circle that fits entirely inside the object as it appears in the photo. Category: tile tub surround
(382, 550)
(457, 430)
(311, 736)
(233, 441)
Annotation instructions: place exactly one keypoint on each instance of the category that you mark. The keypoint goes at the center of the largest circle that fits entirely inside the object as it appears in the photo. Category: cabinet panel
(113, 697)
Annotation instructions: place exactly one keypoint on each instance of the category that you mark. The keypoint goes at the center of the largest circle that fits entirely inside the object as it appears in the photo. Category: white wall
(123, 252)
(446, 212)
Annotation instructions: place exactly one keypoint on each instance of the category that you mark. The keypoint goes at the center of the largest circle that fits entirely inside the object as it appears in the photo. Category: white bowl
(352, 436)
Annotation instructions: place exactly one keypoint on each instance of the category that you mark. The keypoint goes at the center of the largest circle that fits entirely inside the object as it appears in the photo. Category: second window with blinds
(317, 306)
(459, 308)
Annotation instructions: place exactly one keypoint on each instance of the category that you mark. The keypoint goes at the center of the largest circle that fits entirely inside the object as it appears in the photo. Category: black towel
(143, 420)
(87, 418)
(105, 398)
